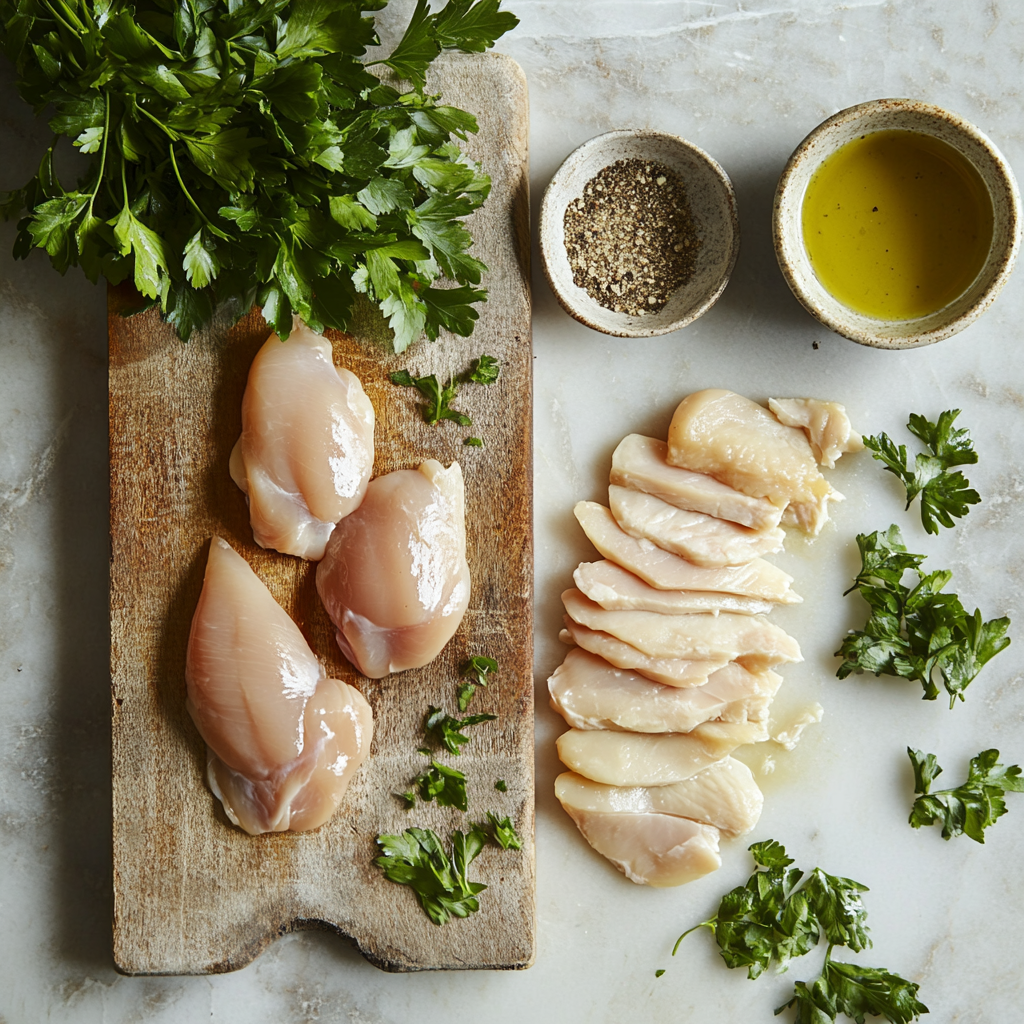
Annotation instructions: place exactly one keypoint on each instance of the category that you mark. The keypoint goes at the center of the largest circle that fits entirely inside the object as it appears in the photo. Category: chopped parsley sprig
(446, 730)
(439, 397)
(417, 858)
(945, 495)
(917, 632)
(243, 152)
(474, 673)
(967, 809)
(780, 914)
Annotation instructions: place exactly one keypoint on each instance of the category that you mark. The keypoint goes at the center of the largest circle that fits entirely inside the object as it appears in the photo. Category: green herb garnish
(501, 786)
(475, 673)
(504, 832)
(416, 858)
(968, 809)
(944, 494)
(447, 731)
(916, 632)
(439, 397)
(243, 152)
(780, 915)
(445, 785)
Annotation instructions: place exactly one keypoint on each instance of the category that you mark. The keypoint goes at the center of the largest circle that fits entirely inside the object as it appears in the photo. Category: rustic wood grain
(193, 894)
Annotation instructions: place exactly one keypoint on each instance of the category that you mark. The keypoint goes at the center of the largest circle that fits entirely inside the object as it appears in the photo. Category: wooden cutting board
(192, 893)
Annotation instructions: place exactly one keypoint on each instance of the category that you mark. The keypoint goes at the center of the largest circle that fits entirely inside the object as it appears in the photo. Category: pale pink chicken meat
(394, 578)
(283, 740)
(306, 451)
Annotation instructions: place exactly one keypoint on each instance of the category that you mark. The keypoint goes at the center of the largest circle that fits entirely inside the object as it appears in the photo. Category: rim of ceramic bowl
(972, 144)
(554, 257)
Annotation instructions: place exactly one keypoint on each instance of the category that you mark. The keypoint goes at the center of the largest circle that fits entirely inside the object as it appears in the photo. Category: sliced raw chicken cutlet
(724, 795)
(740, 443)
(698, 538)
(651, 849)
(590, 694)
(752, 640)
(640, 463)
(615, 589)
(653, 759)
(665, 571)
(669, 671)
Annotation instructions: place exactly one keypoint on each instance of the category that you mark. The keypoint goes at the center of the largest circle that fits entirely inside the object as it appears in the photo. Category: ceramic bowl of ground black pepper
(638, 233)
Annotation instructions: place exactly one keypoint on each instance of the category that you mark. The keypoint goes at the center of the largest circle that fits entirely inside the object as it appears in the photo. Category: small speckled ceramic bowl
(712, 204)
(905, 115)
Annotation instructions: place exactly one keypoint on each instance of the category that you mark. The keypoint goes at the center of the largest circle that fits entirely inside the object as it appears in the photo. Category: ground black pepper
(631, 238)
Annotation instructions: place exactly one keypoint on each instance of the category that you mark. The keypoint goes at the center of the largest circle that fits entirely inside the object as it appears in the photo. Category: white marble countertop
(746, 83)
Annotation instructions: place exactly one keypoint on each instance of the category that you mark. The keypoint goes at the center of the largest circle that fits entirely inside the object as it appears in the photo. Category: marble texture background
(746, 83)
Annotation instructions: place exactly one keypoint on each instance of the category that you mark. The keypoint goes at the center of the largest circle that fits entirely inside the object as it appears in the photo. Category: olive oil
(897, 224)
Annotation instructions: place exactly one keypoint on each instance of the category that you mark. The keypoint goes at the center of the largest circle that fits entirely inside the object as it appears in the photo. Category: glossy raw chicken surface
(640, 463)
(826, 424)
(681, 672)
(724, 795)
(743, 445)
(615, 589)
(394, 578)
(752, 639)
(701, 539)
(283, 739)
(659, 850)
(589, 693)
(306, 451)
(667, 571)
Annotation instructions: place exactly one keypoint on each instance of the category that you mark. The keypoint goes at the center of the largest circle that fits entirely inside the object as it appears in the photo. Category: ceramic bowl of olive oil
(896, 223)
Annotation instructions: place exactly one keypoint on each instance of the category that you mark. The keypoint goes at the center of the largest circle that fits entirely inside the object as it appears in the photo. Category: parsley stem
(71, 28)
(169, 132)
(103, 155)
(188, 195)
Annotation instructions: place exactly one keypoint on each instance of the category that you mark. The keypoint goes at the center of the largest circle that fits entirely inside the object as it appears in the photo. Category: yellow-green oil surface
(896, 224)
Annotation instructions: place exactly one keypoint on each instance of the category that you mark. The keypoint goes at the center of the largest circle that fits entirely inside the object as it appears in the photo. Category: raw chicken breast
(653, 759)
(394, 579)
(743, 445)
(698, 538)
(651, 849)
(591, 694)
(613, 588)
(751, 639)
(669, 671)
(283, 740)
(306, 451)
(826, 424)
(724, 795)
(665, 571)
(640, 463)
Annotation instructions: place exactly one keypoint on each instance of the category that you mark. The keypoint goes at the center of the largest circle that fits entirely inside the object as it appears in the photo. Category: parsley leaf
(475, 673)
(944, 495)
(501, 786)
(445, 785)
(243, 152)
(439, 397)
(855, 990)
(504, 832)
(916, 632)
(967, 809)
(417, 858)
(779, 915)
(447, 730)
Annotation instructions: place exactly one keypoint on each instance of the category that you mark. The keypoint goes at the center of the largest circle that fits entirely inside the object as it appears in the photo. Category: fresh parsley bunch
(916, 632)
(945, 492)
(967, 809)
(779, 915)
(241, 151)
